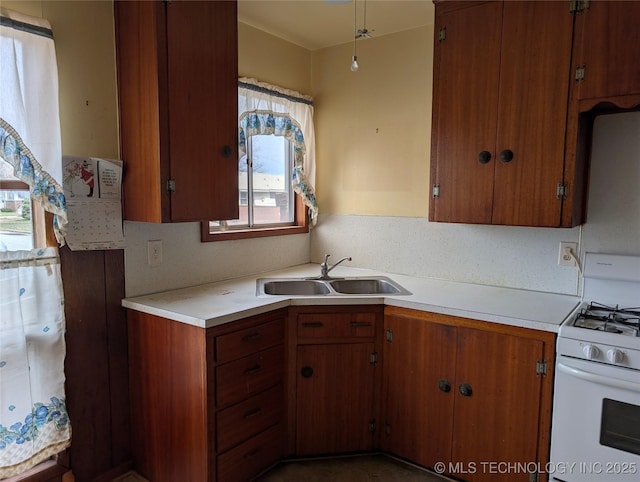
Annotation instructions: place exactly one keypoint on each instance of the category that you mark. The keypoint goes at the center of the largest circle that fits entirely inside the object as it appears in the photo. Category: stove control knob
(590, 351)
(614, 356)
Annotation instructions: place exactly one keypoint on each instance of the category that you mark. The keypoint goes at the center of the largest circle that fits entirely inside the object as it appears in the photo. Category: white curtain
(34, 424)
(266, 109)
(29, 118)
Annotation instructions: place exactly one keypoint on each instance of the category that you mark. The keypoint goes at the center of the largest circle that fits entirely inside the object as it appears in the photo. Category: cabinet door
(203, 109)
(465, 101)
(178, 98)
(335, 386)
(419, 366)
(607, 39)
(498, 421)
(532, 112)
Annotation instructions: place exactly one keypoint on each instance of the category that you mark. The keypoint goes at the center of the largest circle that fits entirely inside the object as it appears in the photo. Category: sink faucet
(325, 268)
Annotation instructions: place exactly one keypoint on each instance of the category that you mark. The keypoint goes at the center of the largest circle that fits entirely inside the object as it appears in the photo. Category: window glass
(266, 197)
(16, 225)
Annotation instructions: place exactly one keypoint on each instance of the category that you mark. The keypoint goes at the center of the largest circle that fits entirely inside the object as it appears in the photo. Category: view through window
(16, 217)
(266, 197)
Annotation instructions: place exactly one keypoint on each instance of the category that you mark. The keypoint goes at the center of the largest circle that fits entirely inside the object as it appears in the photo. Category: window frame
(42, 236)
(300, 220)
(300, 226)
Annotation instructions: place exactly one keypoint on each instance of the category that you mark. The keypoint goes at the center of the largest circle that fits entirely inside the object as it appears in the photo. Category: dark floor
(363, 468)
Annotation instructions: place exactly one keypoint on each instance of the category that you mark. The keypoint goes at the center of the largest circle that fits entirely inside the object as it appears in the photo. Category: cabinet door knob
(306, 372)
(506, 156)
(465, 390)
(227, 151)
(444, 385)
(484, 157)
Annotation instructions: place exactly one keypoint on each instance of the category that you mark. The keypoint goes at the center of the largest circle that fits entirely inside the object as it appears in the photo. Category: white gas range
(596, 412)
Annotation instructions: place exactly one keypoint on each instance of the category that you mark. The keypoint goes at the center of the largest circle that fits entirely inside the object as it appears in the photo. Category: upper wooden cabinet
(501, 91)
(606, 58)
(177, 86)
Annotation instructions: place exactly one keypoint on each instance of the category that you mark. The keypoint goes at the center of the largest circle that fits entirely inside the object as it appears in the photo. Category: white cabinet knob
(590, 351)
(614, 356)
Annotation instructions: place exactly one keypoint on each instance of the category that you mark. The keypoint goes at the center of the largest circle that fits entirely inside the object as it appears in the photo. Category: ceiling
(317, 24)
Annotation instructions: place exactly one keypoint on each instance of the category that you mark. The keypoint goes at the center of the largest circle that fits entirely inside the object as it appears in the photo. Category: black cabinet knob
(484, 157)
(444, 385)
(227, 151)
(306, 372)
(465, 390)
(506, 156)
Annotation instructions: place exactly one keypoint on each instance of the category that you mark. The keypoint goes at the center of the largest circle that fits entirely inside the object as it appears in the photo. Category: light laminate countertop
(213, 304)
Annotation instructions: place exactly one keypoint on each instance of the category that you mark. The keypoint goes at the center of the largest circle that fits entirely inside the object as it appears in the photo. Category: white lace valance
(271, 110)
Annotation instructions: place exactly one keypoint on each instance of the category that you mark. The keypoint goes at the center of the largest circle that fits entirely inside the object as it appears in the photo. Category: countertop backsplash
(504, 256)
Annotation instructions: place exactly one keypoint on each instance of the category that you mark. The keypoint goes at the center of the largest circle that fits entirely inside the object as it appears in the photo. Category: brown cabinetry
(465, 393)
(606, 59)
(249, 381)
(177, 86)
(335, 378)
(207, 405)
(501, 80)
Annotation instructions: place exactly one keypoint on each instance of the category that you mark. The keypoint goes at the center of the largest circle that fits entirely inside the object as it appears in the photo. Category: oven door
(596, 423)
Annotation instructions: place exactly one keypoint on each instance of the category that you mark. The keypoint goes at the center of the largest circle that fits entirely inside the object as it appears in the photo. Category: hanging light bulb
(354, 58)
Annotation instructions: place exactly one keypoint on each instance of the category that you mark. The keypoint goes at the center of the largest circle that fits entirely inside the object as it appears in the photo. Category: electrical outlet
(154, 253)
(565, 252)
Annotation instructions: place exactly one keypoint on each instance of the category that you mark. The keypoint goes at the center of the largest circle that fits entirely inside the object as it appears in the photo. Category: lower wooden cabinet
(207, 405)
(466, 393)
(336, 378)
(250, 458)
(226, 403)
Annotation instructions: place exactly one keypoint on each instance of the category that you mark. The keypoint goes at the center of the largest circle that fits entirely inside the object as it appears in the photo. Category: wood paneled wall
(96, 365)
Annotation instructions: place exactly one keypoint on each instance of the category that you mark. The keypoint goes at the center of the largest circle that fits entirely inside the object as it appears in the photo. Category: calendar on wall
(93, 191)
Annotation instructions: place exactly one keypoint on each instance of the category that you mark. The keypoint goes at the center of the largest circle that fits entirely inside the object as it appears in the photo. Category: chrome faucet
(325, 268)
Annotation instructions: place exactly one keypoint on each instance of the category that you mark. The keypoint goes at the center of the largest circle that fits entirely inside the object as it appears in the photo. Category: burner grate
(609, 319)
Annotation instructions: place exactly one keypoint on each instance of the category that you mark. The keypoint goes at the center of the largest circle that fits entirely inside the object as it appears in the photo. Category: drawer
(239, 379)
(252, 457)
(250, 340)
(239, 422)
(338, 325)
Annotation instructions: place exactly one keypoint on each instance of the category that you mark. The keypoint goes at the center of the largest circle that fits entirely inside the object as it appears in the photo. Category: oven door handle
(599, 379)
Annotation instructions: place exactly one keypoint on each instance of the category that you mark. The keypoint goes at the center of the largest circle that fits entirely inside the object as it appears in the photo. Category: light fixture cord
(364, 24)
(355, 25)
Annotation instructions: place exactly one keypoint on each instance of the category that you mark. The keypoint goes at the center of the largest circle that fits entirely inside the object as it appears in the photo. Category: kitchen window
(22, 223)
(266, 198)
(276, 166)
(34, 423)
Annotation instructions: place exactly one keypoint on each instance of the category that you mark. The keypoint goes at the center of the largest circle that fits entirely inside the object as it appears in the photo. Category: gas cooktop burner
(596, 316)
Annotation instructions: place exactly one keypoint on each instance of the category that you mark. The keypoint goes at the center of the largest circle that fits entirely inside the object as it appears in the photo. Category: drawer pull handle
(312, 324)
(358, 324)
(252, 413)
(253, 453)
(306, 372)
(252, 371)
(252, 337)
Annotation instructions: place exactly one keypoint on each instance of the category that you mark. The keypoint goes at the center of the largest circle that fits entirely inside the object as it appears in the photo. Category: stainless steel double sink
(372, 285)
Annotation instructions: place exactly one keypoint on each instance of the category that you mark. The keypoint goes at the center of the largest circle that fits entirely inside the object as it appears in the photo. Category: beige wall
(271, 59)
(373, 126)
(85, 50)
